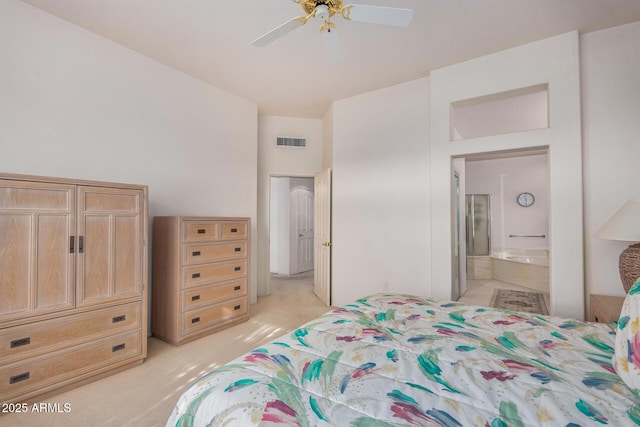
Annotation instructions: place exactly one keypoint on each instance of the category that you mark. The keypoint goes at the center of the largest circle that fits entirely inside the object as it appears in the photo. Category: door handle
(327, 244)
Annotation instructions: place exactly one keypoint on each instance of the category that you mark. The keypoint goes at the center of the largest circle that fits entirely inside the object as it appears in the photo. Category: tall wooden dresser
(200, 276)
(73, 282)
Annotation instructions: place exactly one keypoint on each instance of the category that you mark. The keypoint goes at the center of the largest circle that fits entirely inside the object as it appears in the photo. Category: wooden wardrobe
(73, 282)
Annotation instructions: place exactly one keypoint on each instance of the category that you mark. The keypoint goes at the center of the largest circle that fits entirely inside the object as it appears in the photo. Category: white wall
(511, 112)
(76, 105)
(327, 139)
(553, 61)
(521, 174)
(610, 62)
(381, 192)
(282, 161)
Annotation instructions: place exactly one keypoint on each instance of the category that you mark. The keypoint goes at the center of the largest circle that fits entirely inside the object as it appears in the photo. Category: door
(322, 236)
(36, 248)
(478, 213)
(457, 292)
(110, 230)
(302, 213)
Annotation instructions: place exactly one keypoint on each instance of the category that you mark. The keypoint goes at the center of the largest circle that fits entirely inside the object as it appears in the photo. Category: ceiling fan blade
(334, 48)
(378, 15)
(278, 32)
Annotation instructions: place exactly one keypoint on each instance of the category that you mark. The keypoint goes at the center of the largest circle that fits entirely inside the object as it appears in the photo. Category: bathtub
(523, 267)
(527, 256)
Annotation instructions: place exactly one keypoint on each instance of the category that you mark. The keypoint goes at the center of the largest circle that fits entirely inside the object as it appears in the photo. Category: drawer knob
(234, 230)
(195, 298)
(195, 320)
(236, 288)
(195, 275)
(237, 307)
(238, 249)
(20, 342)
(118, 319)
(18, 378)
(195, 253)
(118, 347)
(202, 231)
(237, 269)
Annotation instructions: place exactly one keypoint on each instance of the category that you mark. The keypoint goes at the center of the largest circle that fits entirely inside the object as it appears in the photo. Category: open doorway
(291, 253)
(506, 225)
(299, 243)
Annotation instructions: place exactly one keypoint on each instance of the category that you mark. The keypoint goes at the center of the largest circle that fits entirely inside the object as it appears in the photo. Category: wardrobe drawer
(65, 331)
(201, 254)
(234, 230)
(38, 372)
(200, 231)
(200, 275)
(207, 295)
(209, 316)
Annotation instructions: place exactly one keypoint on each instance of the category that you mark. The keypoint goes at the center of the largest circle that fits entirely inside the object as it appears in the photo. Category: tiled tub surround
(523, 267)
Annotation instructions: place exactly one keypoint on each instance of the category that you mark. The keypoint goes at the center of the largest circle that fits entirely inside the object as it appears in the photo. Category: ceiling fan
(327, 9)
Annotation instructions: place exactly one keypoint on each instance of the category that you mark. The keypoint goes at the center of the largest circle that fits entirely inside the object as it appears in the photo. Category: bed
(394, 360)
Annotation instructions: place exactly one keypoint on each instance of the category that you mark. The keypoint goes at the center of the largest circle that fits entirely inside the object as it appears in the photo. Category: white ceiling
(210, 40)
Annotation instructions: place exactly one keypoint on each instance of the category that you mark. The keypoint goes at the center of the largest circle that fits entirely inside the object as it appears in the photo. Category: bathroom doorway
(507, 216)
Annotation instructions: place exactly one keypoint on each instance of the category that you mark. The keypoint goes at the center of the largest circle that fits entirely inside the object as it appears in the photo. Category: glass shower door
(478, 215)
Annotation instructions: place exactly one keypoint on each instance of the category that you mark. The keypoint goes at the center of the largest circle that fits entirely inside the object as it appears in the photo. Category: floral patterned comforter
(397, 360)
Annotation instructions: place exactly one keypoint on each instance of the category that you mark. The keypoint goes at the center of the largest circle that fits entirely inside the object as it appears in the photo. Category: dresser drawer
(200, 231)
(234, 230)
(38, 372)
(22, 341)
(193, 254)
(207, 295)
(205, 317)
(200, 275)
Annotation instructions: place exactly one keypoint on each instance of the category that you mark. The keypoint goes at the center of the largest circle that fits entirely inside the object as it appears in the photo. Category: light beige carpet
(145, 395)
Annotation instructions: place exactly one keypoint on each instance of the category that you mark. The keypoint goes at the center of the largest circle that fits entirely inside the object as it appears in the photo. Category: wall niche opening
(500, 113)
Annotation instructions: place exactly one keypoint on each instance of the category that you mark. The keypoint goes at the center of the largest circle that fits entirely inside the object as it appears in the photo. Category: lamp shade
(624, 225)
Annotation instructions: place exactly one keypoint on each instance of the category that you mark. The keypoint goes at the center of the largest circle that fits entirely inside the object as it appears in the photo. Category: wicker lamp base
(629, 266)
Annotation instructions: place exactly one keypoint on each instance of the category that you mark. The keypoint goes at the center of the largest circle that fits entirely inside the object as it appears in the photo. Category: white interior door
(302, 233)
(322, 236)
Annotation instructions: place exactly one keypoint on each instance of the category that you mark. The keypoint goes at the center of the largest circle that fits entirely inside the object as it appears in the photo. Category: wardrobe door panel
(127, 272)
(15, 268)
(36, 241)
(54, 275)
(109, 200)
(95, 257)
(112, 225)
(29, 196)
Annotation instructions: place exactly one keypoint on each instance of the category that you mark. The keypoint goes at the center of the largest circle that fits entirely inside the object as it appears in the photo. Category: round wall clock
(526, 199)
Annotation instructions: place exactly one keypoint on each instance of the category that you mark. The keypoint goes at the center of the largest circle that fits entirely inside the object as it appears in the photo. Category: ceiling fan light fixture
(322, 11)
(326, 9)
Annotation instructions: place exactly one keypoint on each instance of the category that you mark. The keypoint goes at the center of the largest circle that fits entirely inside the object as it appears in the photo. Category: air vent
(282, 141)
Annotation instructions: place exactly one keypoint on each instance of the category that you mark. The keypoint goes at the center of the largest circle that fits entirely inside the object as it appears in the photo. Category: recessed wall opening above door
(506, 112)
